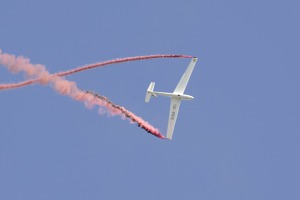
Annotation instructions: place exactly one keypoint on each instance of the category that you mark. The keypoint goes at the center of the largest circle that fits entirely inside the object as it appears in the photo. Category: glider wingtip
(168, 138)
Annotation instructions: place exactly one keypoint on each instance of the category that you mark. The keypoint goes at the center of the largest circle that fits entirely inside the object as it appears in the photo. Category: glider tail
(149, 92)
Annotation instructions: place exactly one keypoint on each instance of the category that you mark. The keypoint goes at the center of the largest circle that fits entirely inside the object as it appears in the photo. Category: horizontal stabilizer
(149, 92)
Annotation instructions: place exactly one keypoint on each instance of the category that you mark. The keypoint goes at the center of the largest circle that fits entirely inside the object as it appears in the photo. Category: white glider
(176, 96)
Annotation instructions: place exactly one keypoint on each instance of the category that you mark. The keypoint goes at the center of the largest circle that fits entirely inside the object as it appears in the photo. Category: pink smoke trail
(130, 116)
(43, 80)
(65, 87)
(39, 74)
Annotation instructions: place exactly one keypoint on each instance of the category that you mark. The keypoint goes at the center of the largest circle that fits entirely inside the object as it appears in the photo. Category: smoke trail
(43, 79)
(39, 74)
(65, 87)
(132, 117)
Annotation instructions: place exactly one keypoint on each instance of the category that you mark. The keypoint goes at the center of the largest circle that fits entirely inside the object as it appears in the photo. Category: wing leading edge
(174, 108)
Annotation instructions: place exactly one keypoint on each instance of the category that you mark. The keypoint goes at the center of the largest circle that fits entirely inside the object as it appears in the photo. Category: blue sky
(239, 138)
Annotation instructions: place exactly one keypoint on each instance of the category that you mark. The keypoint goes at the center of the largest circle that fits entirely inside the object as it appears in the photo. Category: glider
(176, 96)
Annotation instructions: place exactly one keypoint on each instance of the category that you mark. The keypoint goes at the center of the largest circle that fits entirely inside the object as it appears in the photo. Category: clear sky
(239, 138)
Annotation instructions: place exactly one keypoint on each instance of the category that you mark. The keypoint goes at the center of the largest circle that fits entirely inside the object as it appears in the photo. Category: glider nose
(189, 97)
